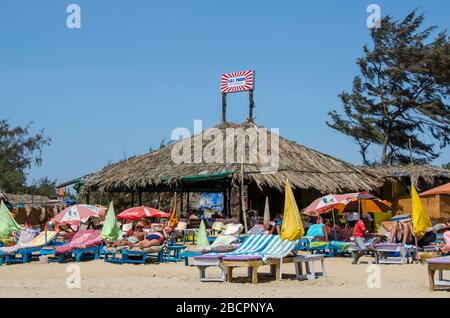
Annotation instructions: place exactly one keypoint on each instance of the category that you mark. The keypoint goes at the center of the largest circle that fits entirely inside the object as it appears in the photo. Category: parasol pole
(412, 228)
(244, 214)
(334, 224)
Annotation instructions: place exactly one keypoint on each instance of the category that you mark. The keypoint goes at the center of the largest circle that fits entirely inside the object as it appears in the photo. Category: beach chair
(22, 253)
(274, 254)
(439, 264)
(251, 244)
(395, 253)
(223, 244)
(25, 236)
(84, 242)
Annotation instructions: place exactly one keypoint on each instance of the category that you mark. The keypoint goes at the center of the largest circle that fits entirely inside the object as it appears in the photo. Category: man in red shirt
(360, 234)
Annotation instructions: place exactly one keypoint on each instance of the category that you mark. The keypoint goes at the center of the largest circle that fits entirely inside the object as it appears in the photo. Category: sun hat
(438, 227)
(353, 216)
(367, 217)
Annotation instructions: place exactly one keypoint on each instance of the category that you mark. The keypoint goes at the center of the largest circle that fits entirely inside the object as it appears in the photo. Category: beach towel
(277, 248)
(42, 239)
(232, 229)
(82, 239)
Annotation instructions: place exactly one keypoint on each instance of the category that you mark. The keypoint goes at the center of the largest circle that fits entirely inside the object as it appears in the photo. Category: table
(310, 272)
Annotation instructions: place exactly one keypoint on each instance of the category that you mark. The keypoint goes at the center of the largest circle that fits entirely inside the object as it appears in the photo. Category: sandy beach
(99, 279)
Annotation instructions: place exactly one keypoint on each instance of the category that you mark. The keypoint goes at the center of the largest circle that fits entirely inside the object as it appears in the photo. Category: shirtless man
(152, 239)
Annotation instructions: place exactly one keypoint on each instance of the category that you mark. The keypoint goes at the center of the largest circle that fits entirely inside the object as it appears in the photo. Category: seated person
(363, 239)
(401, 232)
(132, 236)
(331, 230)
(152, 239)
(346, 233)
(318, 232)
(446, 234)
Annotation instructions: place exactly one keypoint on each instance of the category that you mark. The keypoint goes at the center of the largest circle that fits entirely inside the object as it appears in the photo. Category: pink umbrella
(335, 201)
(140, 212)
(78, 213)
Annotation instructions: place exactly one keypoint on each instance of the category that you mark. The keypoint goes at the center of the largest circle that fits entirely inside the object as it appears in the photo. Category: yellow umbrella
(421, 221)
(292, 228)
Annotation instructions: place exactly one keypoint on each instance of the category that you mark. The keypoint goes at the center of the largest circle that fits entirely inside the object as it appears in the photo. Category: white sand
(99, 279)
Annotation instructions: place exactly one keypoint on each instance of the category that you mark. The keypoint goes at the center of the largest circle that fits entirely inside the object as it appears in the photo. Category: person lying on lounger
(152, 239)
(132, 237)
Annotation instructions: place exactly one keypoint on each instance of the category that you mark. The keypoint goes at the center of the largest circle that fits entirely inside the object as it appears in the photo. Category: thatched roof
(22, 200)
(304, 167)
(429, 174)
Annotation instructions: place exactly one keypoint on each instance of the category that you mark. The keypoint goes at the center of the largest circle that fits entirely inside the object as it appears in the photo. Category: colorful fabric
(316, 244)
(446, 248)
(42, 239)
(81, 239)
(421, 220)
(7, 223)
(111, 230)
(292, 228)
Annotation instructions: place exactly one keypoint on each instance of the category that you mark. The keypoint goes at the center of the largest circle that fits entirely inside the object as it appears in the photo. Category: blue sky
(138, 69)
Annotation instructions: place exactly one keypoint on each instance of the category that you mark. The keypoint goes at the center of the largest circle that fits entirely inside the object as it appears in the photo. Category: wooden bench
(439, 264)
(310, 272)
(252, 267)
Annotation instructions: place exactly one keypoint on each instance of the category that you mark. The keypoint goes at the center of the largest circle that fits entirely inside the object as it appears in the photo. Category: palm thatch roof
(428, 173)
(304, 167)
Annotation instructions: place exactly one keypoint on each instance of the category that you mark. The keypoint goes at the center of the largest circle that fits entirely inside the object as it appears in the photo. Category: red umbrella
(140, 212)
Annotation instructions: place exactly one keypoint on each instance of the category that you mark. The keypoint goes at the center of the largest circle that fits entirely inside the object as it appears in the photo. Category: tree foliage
(401, 95)
(19, 150)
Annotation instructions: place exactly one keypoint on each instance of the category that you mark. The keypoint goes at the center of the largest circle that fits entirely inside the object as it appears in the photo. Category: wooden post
(140, 197)
(132, 198)
(159, 200)
(224, 108)
(87, 197)
(181, 202)
(251, 105)
(187, 202)
(225, 201)
(244, 214)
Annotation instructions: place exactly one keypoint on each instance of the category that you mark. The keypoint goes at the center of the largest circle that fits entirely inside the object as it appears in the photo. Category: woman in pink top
(446, 248)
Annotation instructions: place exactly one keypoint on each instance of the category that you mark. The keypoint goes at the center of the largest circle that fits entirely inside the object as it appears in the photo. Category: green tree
(401, 95)
(19, 150)
(44, 187)
(446, 165)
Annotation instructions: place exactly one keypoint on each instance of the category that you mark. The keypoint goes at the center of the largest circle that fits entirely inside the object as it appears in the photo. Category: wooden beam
(224, 108)
(251, 105)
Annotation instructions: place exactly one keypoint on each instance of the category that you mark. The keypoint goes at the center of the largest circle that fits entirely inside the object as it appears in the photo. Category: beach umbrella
(202, 236)
(401, 217)
(266, 218)
(78, 213)
(110, 230)
(292, 228)
(7, 222)
(421, 220)
(173, 220)
(140, 212)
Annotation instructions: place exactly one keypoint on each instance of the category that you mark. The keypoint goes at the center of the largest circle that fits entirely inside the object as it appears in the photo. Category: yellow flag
(421, 221)
(292, 228)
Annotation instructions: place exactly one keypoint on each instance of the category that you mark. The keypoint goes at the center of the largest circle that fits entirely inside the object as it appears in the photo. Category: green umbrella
(111, 230)
(202, 237)
(7, 222)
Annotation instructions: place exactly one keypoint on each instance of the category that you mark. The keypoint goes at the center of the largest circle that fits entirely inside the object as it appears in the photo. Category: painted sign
(237, 82)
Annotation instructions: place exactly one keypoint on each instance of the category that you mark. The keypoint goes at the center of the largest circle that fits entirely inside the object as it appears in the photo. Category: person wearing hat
(361, 235)
(133, 236)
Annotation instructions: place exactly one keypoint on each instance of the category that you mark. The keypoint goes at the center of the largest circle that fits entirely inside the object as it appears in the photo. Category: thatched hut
(32, 209)
(310, 172)
(396, 182)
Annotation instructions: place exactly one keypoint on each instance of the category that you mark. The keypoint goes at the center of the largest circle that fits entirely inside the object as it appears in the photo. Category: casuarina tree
(401, 97)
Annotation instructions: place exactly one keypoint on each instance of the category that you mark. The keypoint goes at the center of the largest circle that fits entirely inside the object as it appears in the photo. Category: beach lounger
(395, 253)
(82, 243)
(251, 244)
(223, 244)
(21, 253)
(274, 254)
(439, 264)
(26, 235)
